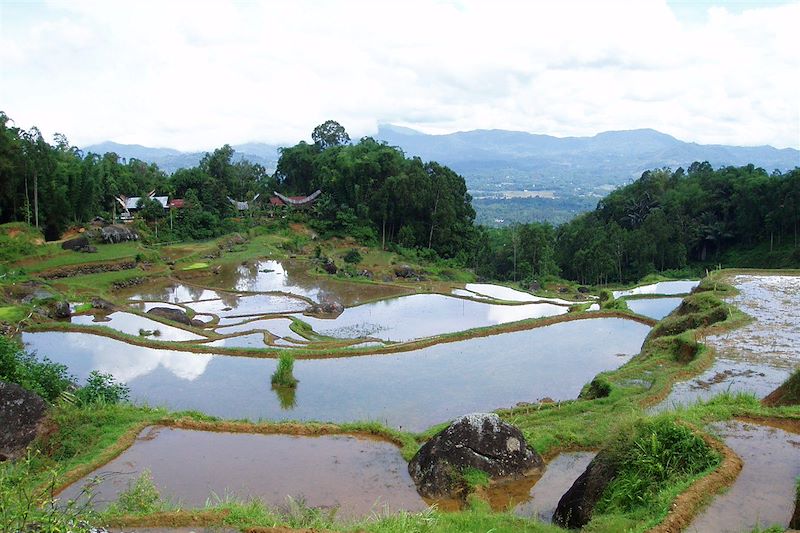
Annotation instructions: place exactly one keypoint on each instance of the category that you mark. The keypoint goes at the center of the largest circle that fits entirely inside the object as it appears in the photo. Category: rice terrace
(498, 301)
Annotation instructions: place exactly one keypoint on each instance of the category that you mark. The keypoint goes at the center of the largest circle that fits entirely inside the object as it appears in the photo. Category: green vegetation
(647, 457)
(47, 379)
(283, 376)
(139, 498)
(101, 388)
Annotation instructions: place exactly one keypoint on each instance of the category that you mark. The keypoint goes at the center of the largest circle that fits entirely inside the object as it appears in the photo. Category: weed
(102, 389)
(283, 377)
(141, 497)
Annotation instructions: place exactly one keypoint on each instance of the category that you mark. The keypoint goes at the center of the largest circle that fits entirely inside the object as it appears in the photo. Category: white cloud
(196, 75)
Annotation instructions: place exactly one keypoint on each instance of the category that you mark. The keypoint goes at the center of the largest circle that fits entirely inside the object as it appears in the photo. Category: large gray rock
(405, 271)
(328, 309)
(61, 309)
(118, 233)
(576, 506)
(21, 416)
(478, 440)
(176, 315)
(76, 244)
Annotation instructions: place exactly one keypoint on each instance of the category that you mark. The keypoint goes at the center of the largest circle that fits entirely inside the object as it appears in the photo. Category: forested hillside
(666, 220)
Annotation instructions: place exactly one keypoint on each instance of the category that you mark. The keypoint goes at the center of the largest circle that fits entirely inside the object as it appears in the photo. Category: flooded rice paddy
(655, 308)
(662, 287)
(355, 476)
(759, 356)
(412, 390)
(558, 477)
(424, 315)
(764, 492)
(137, 325)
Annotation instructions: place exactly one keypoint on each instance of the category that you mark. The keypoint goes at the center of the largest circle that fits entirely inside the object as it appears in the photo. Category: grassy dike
(83, 438)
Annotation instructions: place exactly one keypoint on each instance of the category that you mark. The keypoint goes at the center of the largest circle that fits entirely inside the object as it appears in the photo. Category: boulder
(76, 244)
(88, 250)
(478, 440)
(330, 267)
(176, 315)
(405, 271)
(21, 417)
(583, 290)
(576, 506)
(99, 303)
(61, 309)
(118, 233)
(535, 286)
(328, 308)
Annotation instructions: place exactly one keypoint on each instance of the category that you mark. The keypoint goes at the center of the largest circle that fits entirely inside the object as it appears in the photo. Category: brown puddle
(532, 496)
(357, 476)
(764, 493)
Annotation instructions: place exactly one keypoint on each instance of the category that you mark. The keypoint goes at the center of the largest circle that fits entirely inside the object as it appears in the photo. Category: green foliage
(475, 477)
(599, 387)
(283, 377)
(648, 457)
(140, 497)
(102, 388)
(352, 256)
(25, 507)
(45, 378)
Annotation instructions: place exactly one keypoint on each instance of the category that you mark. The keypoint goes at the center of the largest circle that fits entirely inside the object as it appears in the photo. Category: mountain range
(516, 176)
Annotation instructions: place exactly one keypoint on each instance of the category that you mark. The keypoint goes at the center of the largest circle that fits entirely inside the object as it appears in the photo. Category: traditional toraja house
(130, 204)
(297, 202)
(243, 206)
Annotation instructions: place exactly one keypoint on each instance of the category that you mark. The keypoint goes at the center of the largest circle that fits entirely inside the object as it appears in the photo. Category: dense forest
(666, 220)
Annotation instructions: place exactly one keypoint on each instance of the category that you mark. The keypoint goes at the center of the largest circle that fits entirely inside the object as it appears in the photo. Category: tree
(328, 134)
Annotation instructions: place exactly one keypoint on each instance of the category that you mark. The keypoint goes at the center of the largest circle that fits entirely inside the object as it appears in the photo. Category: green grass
(13, 313)
(195, 266)
(57, 258)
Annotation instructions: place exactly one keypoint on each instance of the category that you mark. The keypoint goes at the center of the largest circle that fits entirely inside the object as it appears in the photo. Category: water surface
(423, 315)
(656, 308)
(662, 287)
(356, 475)
(131, 324)
(413, 390)
(557, 479)
(764, 492)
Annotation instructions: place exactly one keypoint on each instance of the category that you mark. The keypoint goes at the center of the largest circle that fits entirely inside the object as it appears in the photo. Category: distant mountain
(170, 160)
(613, 156)
(515, 176)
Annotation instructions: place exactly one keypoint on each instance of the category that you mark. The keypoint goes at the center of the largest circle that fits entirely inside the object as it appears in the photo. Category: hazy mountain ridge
(170, 160)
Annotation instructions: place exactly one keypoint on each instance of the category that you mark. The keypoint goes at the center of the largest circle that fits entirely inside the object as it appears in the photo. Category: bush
(352, 256)
(599, 387)
(141, 497)
(102, 389)
(45, 378)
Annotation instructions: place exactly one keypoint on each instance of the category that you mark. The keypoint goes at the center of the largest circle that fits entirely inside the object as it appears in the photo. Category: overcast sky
(197, 75)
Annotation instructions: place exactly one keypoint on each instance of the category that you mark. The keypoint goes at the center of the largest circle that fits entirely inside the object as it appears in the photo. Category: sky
(195, 75)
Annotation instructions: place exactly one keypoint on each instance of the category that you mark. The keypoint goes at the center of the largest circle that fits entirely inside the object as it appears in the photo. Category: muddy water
(424, 315)
(656, 308)
(758, 357)
(413, 390)
(131, 324)
(558, 477)
(291, 277)
(662, 287)
(764, 492)
(355, 475)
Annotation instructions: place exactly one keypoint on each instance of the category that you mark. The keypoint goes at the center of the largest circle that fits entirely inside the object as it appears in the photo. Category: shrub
(352, 256)
(102, 389)
(283, 377)
(599, 387)
(141, 497)
(45, 378)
